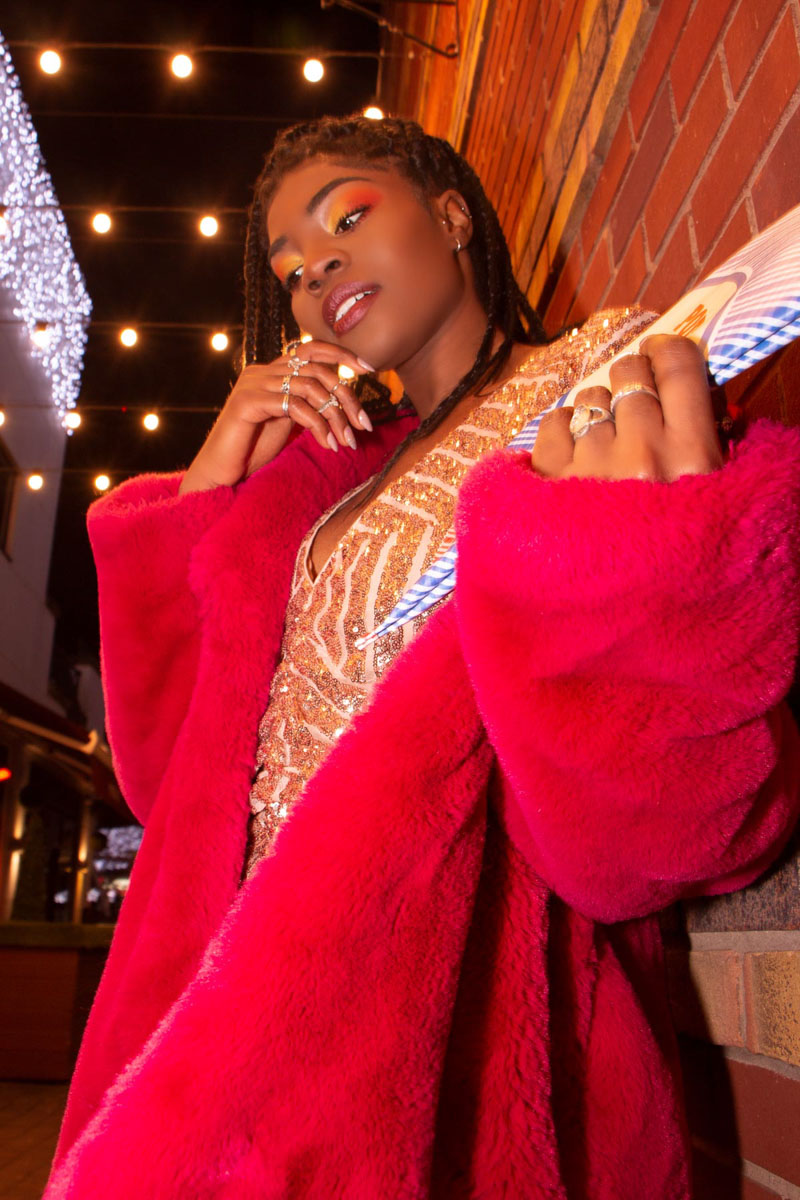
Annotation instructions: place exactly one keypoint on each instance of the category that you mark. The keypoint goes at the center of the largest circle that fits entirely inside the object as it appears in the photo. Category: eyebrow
(315, 202)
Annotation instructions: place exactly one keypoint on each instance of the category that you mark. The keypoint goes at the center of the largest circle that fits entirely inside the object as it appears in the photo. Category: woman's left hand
(662, 426)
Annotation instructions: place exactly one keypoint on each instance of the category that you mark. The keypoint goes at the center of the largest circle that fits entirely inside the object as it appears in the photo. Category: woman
(415, 954)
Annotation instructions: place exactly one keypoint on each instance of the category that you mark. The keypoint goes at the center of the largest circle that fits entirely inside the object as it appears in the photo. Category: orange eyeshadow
(346, 200)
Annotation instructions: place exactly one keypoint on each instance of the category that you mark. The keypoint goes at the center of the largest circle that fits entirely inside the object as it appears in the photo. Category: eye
(292, 280)
(351, 218)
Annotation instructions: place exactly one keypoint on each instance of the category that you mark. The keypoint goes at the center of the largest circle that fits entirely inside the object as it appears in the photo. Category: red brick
(643, 171)
(754, 1191)
(674, 272)
(767, 1106)
(612, 170)
(736, 233)
(789, 366)
(765, 399)
(776, 188)
(565, 288)
(772, 982)
(705, 118)
(744, 1109)
(746, 35)
(705, 992)
(593, 286)
(712, 1179)
(653, 68)
(630, 274)
(757, 115)
(697, 41)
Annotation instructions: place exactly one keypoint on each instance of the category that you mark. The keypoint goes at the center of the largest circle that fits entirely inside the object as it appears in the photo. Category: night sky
(121, 134)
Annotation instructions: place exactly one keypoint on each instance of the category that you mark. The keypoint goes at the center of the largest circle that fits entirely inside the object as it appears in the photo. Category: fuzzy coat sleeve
(630, 644)
(145, 538)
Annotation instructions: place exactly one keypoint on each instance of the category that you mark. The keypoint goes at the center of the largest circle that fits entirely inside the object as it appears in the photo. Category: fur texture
(447, 979)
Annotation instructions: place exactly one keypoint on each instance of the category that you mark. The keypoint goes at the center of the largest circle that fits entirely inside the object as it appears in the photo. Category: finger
(302, 413)
(634, 397)
(323, 401)
(333, 385)
(327, 352)
(679, 371)
(554, 445)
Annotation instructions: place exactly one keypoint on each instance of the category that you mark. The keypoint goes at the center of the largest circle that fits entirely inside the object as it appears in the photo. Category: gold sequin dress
(323, 679)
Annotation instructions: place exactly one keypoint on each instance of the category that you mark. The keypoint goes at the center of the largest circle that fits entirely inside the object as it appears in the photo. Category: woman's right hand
(254, 425)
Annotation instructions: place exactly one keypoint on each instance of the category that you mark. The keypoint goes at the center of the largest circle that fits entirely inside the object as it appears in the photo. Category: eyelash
(343, 225)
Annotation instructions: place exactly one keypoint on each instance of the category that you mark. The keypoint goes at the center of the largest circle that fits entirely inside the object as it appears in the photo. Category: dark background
(120, 133)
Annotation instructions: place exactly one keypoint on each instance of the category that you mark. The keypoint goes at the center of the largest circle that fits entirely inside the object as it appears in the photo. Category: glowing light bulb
(374, 113)
(50, 62)
(182, 66)
(72, 419)
(306, 337)
(41, 335)
(2, 417)
(128, 336)
(150, 421)
(219, 341)
(35, 482)
(208, 226)
(102, 483)
(313, 70)
(101, 222)
(346, 372)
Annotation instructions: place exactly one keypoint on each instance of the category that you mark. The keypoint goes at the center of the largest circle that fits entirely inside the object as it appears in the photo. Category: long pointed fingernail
(364, 421)
(366, 365)
(332, 442)
(350, 438)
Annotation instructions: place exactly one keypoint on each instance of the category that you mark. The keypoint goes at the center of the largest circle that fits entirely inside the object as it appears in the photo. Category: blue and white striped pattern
(761, 316)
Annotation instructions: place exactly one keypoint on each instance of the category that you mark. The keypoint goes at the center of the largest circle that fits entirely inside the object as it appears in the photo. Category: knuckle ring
(585, 417)
(331, 401)
(630, 389)
(296, 363)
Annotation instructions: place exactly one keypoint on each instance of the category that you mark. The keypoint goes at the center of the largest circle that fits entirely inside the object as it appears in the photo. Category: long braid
(431, 165)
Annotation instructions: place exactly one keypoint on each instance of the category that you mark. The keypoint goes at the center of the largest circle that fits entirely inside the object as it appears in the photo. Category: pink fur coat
(447, 981)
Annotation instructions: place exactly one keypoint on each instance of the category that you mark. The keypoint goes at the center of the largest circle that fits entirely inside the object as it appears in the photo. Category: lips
(345, 306)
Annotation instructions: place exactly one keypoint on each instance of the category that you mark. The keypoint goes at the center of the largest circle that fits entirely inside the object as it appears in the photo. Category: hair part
(432, 166)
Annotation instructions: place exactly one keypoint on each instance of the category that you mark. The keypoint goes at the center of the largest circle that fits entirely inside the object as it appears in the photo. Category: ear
(451, 210)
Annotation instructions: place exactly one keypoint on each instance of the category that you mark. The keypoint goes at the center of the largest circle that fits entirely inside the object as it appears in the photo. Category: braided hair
(431, 166)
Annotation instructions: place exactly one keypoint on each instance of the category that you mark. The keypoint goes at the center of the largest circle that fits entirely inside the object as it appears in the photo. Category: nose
(320, 266)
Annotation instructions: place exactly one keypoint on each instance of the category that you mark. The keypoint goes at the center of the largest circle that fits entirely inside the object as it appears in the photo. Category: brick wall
(629, 147)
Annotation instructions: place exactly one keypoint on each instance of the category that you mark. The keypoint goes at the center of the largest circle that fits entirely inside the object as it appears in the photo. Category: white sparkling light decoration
(208, 226)
(219, 341)
(182, 66)
(313, 70)
(37, 264)
(150, 421)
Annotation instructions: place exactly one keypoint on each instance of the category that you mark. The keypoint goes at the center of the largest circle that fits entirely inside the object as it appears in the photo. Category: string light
(50, 62)
(35, 482)
(313, 70)
(41, 335)
(102, 483)
(101, 222)
(374, 113)
(208, 226)
(37, 266)
(219, 341)
(306, 337)
(151, 421)
(2, 417)
(72, 419)
(182, 66)
(128, 336)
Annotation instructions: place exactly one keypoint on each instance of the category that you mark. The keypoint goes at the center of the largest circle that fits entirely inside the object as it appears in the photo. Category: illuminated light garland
(37, 265)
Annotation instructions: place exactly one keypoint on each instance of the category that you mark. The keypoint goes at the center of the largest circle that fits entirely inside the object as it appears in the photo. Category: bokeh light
(208, 226)
(150, 421)
(50, 62)
(36, 482)
(101, 222)
(219, 341)
(128, 336)
(313, 70)
(102, 483)
(182, 66)
(374, 113)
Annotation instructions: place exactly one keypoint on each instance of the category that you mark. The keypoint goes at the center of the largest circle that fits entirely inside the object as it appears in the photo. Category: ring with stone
(631, 389)
(330, 401)
(292, 347)
(586, 417)
(296, 363)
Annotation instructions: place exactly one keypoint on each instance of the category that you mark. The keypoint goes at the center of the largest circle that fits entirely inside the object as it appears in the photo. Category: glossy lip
(337, 297)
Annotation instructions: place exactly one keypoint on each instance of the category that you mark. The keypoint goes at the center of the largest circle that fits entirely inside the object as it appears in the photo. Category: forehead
(298, 188)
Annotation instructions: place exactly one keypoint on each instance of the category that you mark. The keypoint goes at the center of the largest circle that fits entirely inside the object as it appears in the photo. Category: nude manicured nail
(366, 365)
(332, 442)
(364, 421)
(350, 438)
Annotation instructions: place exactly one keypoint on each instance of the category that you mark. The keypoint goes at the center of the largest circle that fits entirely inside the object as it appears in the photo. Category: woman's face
(367, 264)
